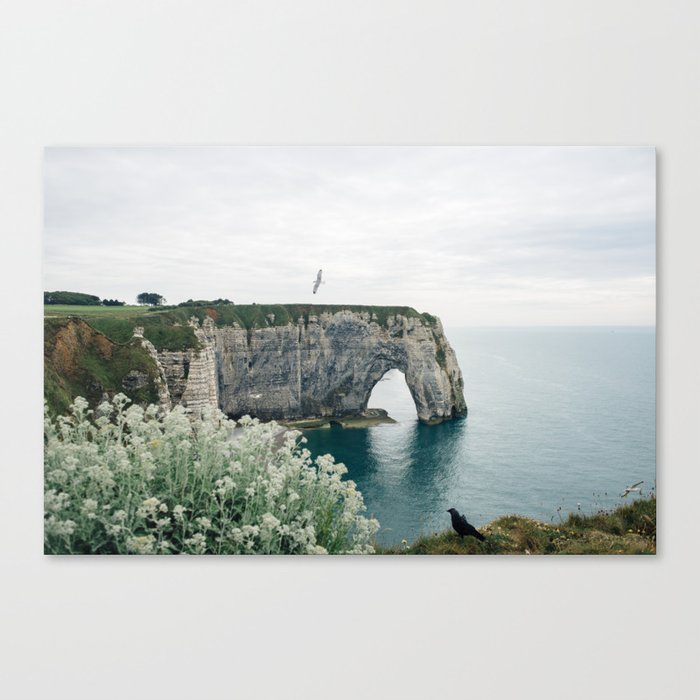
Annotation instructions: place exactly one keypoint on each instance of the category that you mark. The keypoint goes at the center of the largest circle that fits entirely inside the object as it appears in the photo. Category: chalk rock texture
(321, 365)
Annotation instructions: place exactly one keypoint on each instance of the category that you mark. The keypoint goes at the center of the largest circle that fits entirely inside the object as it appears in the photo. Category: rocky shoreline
(367, 419)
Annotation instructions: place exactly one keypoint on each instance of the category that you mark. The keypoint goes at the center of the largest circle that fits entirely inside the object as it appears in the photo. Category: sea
(559, 420)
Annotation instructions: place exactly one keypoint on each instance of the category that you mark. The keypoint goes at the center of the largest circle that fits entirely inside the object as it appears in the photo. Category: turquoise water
(558, 419)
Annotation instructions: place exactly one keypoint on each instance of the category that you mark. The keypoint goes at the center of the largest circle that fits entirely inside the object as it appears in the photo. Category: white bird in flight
(632, 489)
(318, 281)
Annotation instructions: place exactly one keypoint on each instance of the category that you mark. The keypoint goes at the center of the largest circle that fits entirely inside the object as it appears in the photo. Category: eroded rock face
(135, 379)
(324, 365)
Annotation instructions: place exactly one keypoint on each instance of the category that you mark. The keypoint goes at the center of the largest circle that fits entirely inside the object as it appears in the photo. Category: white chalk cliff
(319, 366)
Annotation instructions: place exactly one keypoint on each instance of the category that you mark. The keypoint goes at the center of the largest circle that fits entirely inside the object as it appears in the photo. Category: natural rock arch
(325, 365)
(398, 402)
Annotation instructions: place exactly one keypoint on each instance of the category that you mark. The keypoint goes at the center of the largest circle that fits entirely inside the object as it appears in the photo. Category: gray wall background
(304, 72)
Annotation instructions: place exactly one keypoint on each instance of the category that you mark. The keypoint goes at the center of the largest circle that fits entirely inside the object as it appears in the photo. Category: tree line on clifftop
(80, 299)
(143, 299)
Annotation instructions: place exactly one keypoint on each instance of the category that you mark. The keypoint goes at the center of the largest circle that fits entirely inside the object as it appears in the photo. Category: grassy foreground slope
(81, 361)
(629, 529)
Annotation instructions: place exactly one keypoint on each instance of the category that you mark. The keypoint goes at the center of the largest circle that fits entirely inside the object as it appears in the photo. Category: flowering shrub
(125, 480)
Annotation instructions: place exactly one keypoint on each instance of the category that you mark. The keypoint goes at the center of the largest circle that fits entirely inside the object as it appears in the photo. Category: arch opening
(392, 394)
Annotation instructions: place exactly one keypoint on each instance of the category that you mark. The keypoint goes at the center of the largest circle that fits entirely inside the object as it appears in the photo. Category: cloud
(532, 235)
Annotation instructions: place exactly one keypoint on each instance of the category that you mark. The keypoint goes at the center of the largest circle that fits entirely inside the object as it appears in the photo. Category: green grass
(162, 329)
(629, 529)
(261, 315)
(59, 310)
(166, 327)
(81, 362)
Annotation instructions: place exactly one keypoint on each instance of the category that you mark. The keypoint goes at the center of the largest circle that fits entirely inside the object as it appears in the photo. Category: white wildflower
(148, 508)
(224, 485)
(89, 507)
(70, 463)
(144, 544)
(269, 522)
(179, 512)
(198, 543)
(97, 466)
(59, 528)
(57, 476)
(55, 502)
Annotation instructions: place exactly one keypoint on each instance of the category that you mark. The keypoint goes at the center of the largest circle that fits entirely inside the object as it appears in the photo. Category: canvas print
(349, 350)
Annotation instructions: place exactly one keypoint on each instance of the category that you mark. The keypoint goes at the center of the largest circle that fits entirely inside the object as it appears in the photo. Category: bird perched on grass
(462, 527)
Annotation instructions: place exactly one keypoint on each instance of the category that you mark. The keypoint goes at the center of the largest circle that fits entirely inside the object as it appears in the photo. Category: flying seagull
(318, 281)
(462, 527)
(631, 489)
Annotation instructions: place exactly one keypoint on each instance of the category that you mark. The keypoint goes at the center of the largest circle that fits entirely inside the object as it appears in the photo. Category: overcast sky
(477, 236)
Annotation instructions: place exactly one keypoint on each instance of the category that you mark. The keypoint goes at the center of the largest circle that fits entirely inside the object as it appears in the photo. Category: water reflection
(405, 470)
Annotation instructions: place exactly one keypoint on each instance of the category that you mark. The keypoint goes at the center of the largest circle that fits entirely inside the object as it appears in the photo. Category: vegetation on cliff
(265, 315)
(74, 298)
(130, 481)
(79, 360)
(78, 299)
(167, 326)
(96, 361)
(150, 299)
(628, 529)
(166, 330)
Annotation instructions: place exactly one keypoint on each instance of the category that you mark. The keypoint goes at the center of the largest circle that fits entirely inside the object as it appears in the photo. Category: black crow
(462, 527)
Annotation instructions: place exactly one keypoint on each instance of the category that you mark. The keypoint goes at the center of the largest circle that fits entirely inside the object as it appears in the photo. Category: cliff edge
(288, 362)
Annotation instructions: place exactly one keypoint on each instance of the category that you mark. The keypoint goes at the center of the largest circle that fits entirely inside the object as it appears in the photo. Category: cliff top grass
(166, 326)
(260, 315)
(628, 529)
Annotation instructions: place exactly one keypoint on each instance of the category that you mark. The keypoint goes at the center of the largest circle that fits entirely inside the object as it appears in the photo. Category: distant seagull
(255, 396)
(635, 488)
(319, 281)
(462, 527)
